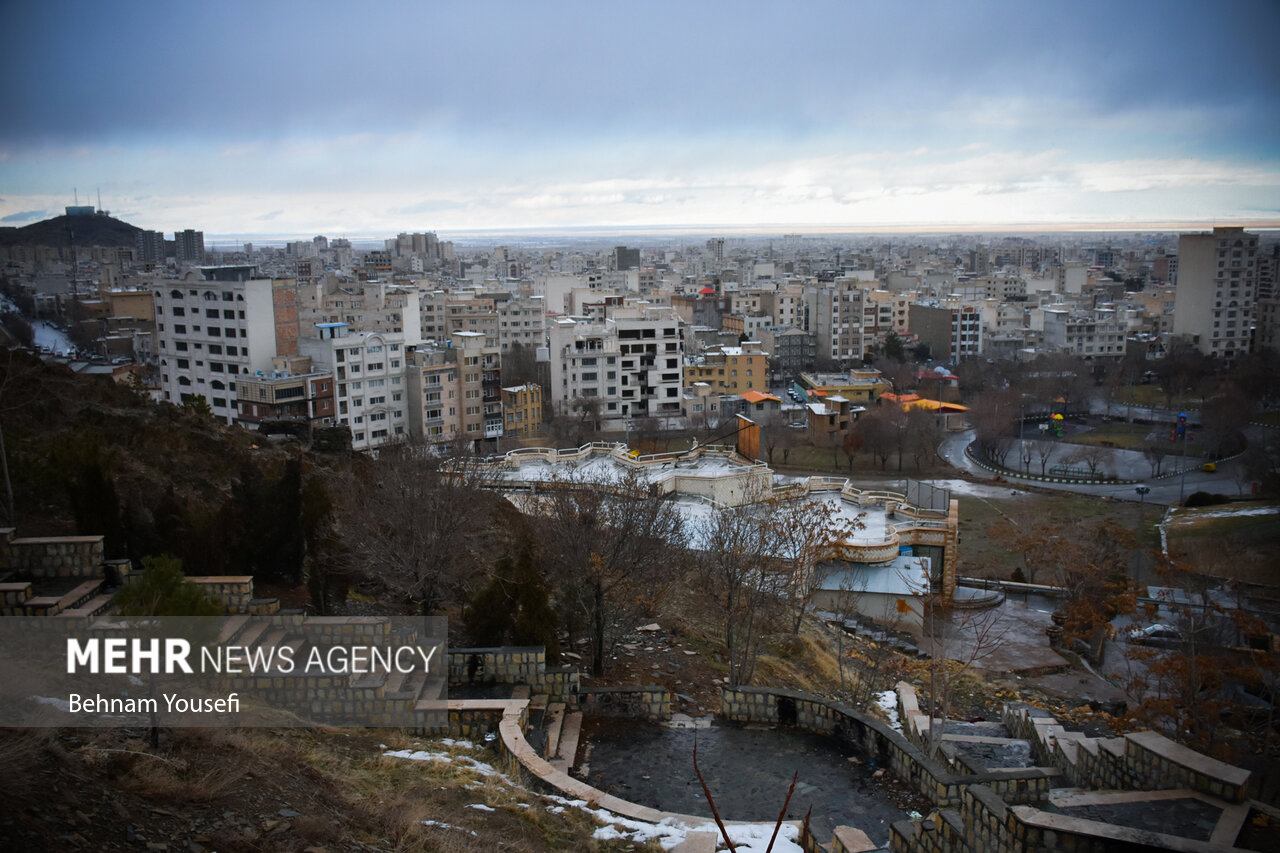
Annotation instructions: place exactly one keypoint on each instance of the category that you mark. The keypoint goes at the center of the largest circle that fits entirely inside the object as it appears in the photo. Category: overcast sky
(379, 117)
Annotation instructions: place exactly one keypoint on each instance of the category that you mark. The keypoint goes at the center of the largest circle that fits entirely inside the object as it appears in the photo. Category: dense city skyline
(249, 120)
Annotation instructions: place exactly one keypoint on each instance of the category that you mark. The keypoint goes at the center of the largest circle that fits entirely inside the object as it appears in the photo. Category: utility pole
(1142, 495)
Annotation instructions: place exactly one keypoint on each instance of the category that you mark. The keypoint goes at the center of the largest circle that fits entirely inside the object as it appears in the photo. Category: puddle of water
(748, 770)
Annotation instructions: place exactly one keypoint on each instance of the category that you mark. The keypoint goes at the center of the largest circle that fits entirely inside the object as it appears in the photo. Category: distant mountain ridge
(94, 230)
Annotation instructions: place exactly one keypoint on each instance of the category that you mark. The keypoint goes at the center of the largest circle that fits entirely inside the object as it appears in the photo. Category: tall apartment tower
(715, 247)
(150, 247)
(1217, 290)
(213, 326)
(189, 246)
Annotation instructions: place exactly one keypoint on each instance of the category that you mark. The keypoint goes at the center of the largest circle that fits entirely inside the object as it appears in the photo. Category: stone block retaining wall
(346, 630)
(562, 684)
(233, 592)
(1139, 760)
(648, 703)
(53, 557)
(501, 665)
(1158, 763)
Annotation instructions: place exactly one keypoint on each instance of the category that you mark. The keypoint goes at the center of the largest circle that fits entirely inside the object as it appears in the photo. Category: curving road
(1164, 491)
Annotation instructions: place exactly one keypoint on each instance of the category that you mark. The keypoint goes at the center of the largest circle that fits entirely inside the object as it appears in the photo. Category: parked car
(1158, 634)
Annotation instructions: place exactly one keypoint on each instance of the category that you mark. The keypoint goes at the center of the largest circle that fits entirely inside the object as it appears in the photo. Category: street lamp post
(1142, 495)
(1182, 481)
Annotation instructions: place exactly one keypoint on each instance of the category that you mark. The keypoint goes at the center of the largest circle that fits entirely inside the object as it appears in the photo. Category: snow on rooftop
(907, 575)
(868, 525)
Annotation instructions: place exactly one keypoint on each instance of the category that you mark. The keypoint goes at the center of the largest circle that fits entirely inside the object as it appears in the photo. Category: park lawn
(1134, 437)
(1237, 540)
(1123, 436)
(981, 555)
(824, 460)
(1151, 395)
(1268, 418)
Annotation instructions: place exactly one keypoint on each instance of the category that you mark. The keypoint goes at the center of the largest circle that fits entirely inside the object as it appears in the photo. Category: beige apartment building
(729, 370)
(522, 410)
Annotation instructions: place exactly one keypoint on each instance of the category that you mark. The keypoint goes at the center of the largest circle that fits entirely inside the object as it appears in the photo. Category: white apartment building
(631, 363)
(1087, 334)
(213, 325)
(1217, 289)
(368, 370)
(522, 321)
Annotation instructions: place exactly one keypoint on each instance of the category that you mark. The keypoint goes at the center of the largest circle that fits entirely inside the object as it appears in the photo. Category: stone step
(16, 592)
(568, 748)
(79, 595)
(250, 635)
(375, 678)
(231, 629)
(90, 609)
(273, 638)
(395, 681)
(432, 691)
(554, 722)
(41, 605)
(409, 687)
(1114, 746)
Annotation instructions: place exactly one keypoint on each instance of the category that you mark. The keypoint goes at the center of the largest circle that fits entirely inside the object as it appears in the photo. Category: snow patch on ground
(1191, 517)
(444, 825)
(60, 704)
(748, 838)
(51, 337)
(888, 702)
(464, 761)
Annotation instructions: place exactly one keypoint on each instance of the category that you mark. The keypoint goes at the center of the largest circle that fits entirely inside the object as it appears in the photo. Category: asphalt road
(1163, 491)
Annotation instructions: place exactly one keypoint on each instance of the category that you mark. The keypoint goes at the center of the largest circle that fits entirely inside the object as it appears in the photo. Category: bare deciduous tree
(613, 550)
(740, 568)
(411, 519)
(805, 533)
(1044, 451)
(959, 640)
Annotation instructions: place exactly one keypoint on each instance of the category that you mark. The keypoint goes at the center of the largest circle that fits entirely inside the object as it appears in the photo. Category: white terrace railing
(719, 487)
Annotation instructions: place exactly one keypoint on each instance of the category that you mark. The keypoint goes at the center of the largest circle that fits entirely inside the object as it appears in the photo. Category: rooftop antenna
(99, 199)
(76, 191)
